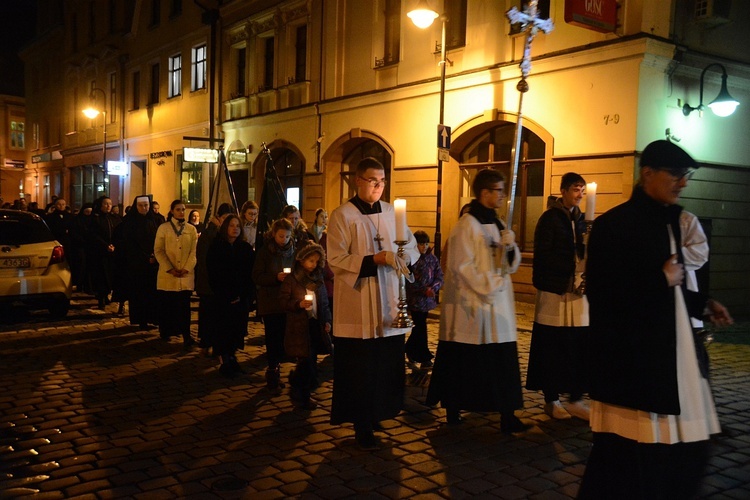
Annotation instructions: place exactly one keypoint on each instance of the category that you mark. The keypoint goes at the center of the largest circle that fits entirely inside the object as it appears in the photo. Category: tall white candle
(399, 205)
(590, 200)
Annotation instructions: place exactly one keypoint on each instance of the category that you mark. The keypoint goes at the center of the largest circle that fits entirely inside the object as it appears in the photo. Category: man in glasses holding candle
(557, 359)
(369, 374)
(652, 412)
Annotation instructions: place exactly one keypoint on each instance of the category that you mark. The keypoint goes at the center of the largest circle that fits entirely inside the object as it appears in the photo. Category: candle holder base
(402, 320)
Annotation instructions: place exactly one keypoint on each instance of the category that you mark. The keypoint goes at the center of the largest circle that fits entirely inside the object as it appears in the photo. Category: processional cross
(531, 23)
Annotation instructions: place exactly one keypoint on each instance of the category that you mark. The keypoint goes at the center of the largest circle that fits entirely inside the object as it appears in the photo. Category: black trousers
(620, 468)
(416, 345)
(274, 326)
(174, 317)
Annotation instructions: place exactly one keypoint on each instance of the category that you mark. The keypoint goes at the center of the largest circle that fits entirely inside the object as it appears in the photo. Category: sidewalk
(93, 408)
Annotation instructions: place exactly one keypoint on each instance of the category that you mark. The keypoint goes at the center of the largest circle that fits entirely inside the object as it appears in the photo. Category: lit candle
(590, 200)
(309, 297)
(399, 205)
(287, 270)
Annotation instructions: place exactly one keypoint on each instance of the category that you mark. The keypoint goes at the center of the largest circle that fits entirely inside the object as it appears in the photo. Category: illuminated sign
(201, 155)
(597, 15)
(117, 168)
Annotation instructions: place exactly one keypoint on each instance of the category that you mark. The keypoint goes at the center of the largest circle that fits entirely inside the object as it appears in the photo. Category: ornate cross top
(530, 21)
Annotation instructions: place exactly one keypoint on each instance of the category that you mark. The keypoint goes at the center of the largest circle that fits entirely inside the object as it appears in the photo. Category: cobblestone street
(91, 407)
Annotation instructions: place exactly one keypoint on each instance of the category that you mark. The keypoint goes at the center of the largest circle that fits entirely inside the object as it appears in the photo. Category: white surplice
(364, 308)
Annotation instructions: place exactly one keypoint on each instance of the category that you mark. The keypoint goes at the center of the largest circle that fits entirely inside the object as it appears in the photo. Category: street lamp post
(92, 113)
(422, 17)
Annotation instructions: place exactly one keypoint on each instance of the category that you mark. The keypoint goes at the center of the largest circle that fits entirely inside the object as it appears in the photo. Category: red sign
(597, 15)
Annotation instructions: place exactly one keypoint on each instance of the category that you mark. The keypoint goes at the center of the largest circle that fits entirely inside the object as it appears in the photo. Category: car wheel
(59, 308)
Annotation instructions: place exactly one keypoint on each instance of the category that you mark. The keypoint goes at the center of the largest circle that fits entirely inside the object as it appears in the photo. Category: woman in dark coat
(230, 267)
(101, 249)
(139, 233)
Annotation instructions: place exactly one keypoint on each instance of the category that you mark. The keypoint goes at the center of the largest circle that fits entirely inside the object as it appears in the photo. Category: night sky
(17, 23)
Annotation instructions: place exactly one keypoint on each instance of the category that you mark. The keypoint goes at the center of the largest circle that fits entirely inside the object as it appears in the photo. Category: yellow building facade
(325, 83)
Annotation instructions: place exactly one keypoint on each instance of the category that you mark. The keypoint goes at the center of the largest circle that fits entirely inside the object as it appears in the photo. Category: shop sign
(596, 15)
(117, 168)
(201, 155)
(160, 154)
(41, 158)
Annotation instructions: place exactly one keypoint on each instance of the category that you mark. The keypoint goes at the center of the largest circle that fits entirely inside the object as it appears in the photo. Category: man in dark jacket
(557, 359)
(652, 411)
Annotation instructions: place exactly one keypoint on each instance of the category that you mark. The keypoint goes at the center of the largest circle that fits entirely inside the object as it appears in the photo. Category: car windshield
(15, 230)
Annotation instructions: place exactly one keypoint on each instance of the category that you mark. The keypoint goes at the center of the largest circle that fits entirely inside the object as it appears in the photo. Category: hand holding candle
(309, 297)
(399, 205)
(590, 200)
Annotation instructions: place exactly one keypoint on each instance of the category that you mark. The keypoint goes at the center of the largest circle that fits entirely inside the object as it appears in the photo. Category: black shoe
(366, 441)
(226, 370)
(377, 427)
(510, 424)
(453, 416)
(273, 379)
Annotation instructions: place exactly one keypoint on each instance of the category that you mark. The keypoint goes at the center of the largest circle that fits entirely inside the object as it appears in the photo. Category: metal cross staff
(530, 21)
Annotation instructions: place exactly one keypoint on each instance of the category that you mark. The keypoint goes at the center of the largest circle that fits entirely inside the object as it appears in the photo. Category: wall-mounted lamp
(723, 105)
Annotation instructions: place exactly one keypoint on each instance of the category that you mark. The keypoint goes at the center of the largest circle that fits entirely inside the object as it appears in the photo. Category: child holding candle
(308, 321)
(276, 254)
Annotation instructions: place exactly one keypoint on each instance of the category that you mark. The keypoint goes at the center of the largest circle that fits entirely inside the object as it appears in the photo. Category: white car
(33, 268)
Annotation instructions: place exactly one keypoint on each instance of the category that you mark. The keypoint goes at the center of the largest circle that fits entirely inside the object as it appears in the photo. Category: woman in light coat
(174, 250)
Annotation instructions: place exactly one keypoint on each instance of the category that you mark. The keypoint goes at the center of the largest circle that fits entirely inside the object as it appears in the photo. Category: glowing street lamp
(92, 113)
(422, 17)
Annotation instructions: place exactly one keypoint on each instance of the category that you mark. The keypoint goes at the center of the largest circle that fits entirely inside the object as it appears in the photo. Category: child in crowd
(421, 296)
(308, 321)
(273, 263)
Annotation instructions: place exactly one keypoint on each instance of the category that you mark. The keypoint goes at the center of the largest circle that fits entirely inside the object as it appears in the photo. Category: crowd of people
(613, 309)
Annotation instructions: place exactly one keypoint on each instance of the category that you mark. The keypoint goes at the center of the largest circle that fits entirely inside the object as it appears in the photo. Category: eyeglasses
(678, 176)
(374, 183)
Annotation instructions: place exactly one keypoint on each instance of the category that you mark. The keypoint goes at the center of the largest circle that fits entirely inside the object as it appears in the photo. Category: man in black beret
(652, 411)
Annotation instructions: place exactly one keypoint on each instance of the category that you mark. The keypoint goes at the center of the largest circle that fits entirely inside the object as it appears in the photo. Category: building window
(87, 183)
(300, 55)
(175, 8)
(175, 75)
(392, 36)
(241, 71)
(191, 182)
(112, 97)
(199, 68)
(112, 16)
(154, 96)
(136, 90)
(493, 149)
(155, 13)
(74, 33)
(455, 29)
(290, 168)
(92, 23)
(17, 135)
(268, 63)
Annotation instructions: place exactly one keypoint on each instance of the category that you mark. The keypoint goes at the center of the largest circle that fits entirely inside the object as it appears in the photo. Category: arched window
(493, 149)
(289, 167)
